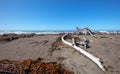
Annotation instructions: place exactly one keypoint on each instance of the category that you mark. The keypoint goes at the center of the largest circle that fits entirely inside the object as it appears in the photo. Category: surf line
(96, 60)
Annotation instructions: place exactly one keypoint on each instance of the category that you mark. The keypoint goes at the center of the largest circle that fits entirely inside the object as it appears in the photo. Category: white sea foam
(105, 32)
(10, 32)
(46, 32)
(109, 32)
(29, 32)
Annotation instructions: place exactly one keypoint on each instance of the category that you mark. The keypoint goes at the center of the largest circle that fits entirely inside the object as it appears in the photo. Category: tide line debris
(31, 66)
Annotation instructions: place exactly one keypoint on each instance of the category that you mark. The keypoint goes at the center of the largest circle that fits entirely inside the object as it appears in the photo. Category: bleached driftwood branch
(90, 56)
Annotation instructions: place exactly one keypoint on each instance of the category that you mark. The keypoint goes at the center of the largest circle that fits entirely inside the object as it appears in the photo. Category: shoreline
(50, 48)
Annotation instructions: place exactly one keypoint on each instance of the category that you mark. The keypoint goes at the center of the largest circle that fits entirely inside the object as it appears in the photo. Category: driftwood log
(90, 56)
(85, 31)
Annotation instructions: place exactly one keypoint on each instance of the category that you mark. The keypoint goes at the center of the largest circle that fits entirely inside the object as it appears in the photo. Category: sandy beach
(51, 49)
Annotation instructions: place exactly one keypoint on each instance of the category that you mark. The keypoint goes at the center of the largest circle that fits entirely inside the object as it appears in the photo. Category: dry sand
(107, 48)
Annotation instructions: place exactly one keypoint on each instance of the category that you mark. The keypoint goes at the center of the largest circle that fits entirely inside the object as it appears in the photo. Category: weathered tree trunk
(90, 56)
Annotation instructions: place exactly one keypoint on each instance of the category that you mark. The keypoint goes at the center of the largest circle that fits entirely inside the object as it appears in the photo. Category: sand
(106, 47)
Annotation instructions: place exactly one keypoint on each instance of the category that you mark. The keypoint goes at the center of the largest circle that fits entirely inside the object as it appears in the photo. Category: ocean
(50, 31)
(35, 31)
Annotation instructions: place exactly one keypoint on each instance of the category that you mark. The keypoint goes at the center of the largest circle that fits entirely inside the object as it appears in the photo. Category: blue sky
(59, 14)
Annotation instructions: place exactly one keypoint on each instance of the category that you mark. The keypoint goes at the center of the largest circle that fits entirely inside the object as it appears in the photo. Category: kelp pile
(10, 37)
(56, 44)
(31, 66)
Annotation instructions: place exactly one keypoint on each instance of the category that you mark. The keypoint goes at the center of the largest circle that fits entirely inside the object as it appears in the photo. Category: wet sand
(106, 47)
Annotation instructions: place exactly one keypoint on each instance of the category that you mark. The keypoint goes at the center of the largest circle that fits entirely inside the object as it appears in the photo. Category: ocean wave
(109, 32)
(29, 32)
(48, 32)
